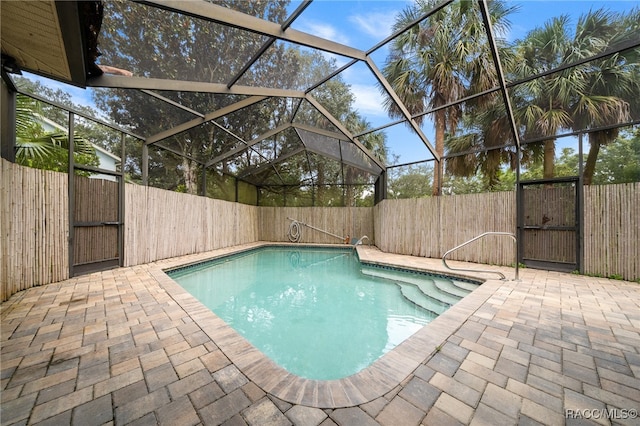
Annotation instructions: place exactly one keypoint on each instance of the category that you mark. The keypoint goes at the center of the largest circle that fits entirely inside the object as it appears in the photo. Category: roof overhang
(52, 39)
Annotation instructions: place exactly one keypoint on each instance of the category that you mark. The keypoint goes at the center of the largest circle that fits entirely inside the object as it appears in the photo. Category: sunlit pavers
(128, 346)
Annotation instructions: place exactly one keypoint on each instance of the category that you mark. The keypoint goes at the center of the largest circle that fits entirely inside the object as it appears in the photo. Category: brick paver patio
(129, 346)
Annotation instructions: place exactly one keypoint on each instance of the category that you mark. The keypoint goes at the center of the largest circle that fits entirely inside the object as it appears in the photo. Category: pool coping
(379, 378)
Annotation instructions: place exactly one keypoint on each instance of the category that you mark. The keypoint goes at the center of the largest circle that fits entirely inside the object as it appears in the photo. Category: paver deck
(130, 346)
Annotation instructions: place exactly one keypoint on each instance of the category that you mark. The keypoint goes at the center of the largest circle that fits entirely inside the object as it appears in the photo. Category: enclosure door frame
(102, 264)
(524, 229)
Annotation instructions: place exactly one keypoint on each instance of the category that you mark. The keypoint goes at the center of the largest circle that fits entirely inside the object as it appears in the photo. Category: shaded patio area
(129, 346)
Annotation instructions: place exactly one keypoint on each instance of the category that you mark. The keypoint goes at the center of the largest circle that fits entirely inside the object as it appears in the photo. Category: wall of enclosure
(34, 225)
(161, 224)
(354, 222)
(612, 230)
(34, 228)
(430, 226)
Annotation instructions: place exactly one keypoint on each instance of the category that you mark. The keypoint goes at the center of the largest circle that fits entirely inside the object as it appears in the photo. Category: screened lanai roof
(255, 88)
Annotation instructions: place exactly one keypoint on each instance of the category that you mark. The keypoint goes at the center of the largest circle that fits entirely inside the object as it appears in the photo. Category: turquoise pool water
(318, 313)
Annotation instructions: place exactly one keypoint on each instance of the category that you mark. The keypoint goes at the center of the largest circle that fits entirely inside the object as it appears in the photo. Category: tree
(441, 60)
(542, 107)
(414, 182)
(157, 43)
(151, 42)
(619, 161)
(598, 93)
(47, 150)
(590, 95)
(611, 92)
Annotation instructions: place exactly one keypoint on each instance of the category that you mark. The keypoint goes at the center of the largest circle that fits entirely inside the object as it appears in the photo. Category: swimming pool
(318, 313)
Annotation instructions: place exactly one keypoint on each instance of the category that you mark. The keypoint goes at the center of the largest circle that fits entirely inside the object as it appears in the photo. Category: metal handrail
(517, 276)
(361, 239)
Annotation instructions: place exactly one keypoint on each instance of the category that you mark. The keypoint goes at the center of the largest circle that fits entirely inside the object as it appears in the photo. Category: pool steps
(466, 285)
(417, 297)
(449, 286)
(424, 283)
(433, 295)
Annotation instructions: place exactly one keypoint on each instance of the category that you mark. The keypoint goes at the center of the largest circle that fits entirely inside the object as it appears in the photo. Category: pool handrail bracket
(508, 234)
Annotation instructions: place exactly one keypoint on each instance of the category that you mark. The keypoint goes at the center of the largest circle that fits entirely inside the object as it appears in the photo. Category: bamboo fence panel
(410, 226)
(550, 245)
(464, 217)
(612, 230)
(431, 226)
(354, 222)
(553, 206)
(96, 200)
(160, 224)
(95, 244)
(33, 228)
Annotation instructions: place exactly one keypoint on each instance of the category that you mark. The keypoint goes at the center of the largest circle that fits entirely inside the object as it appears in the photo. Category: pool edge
(381, 377)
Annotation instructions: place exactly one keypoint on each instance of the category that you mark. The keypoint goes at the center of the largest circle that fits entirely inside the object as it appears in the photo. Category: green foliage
(619, 161)
(410, 182)
(47, 150)
(182, 47)
(441, 60)
(423, 67)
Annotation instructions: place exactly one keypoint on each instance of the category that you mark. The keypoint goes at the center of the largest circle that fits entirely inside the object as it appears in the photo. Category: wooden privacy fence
(160, 224)
(431, 226)
(354, 222)
(34, 224)
(612, 230)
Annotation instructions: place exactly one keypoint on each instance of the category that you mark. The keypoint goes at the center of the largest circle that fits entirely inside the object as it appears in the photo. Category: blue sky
(363, 23)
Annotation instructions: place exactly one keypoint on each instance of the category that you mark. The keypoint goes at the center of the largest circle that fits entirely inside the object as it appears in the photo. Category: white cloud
(327, 32)
(375, 24)
(368, 100)
(324, 30)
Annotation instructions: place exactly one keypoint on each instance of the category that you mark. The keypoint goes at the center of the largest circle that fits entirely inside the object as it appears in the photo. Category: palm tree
(46, 150)
(611, 86)
(542, 108)
(441, 60)
(593, 94)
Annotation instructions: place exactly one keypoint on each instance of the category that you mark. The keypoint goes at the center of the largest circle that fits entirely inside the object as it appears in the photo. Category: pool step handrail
(502, 276)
